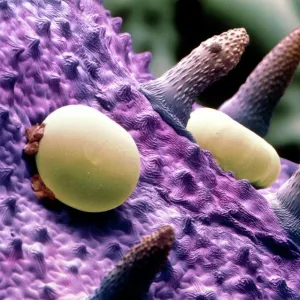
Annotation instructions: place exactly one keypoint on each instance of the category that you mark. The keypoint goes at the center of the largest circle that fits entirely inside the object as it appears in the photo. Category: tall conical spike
(286, 205)
(173, 94)
(255, 101)
(132, 276)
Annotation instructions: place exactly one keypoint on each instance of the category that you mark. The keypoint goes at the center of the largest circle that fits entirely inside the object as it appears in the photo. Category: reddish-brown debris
(34, 135)
(40, 189)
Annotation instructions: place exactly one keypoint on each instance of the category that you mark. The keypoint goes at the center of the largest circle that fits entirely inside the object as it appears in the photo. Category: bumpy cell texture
(208, 235)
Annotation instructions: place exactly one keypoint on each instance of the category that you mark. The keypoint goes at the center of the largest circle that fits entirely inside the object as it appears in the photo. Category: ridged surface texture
(176, 90)
(132, 276)
(254, 103)
(228, 242)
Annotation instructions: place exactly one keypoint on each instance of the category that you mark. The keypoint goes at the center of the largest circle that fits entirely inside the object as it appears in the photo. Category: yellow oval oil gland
(87, 160)
(235, 147)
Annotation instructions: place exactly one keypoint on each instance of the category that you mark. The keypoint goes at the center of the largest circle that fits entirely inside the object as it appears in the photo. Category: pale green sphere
(235, 147)
(87, 160)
